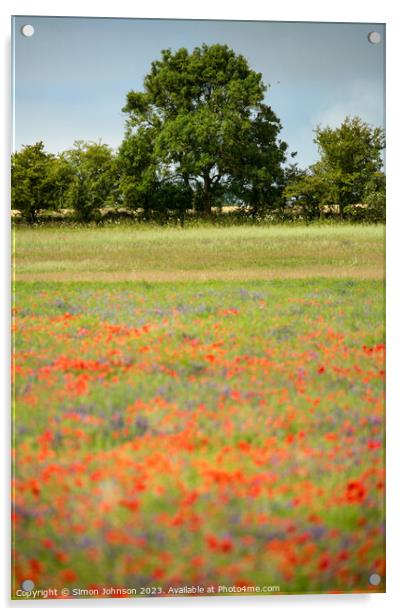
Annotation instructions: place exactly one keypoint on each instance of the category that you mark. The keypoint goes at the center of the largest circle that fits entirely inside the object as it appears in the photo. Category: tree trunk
(32, 218)
(183, 206)
(207, 196)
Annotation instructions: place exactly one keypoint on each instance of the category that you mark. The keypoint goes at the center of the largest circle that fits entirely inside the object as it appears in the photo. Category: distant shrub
(376, 206)
(371, 211)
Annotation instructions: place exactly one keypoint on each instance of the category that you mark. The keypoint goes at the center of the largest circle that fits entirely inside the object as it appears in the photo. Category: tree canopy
(206, 127)
(200, 135)
(94, 176)
(349, 169)
(39, 180)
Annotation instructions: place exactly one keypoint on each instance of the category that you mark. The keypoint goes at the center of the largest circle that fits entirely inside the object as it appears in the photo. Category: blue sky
(71, 78)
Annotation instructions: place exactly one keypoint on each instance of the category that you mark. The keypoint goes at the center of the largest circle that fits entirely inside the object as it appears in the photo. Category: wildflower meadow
(178, 435)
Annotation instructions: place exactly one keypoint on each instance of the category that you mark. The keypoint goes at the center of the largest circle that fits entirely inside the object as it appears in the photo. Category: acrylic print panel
(198, 214)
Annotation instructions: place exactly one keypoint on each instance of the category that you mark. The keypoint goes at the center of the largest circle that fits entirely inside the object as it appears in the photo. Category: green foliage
(143, 187)
(348, 172)
(205, 127)
(350, 159)
(93, 178)
(39, 181)
(199, 138)
(375, 198)
(306, 190)
(138, 178)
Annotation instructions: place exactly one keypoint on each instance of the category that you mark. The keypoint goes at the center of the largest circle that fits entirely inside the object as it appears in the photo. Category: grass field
(132, 253)
(199, 407)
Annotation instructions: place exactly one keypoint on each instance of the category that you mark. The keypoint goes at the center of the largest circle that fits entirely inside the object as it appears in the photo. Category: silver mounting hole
(374, 579)
(374, 38)
(27, 30)
(28, 585)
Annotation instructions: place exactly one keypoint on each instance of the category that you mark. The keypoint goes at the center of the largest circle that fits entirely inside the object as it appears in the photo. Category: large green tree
(207, 128)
